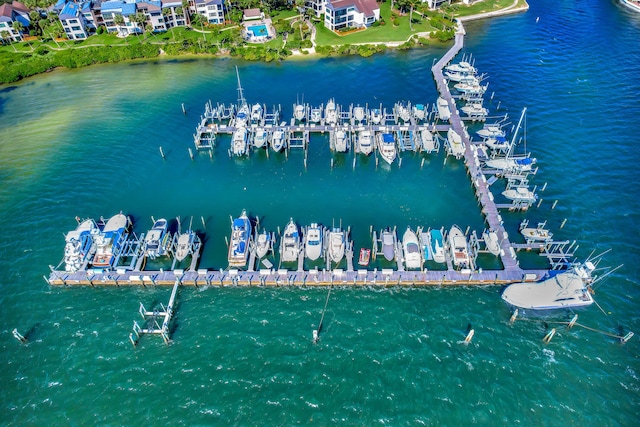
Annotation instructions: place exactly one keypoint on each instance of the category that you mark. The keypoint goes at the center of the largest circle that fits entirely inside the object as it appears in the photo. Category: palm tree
(18, 27)
(187, 15)
(6, 36)
(140, 19)
(119, 21)
(412, 3)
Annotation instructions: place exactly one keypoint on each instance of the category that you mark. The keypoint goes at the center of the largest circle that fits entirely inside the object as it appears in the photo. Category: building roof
(69, 11)
(208, 2)
(6, 11)
(150, 5)
(15, 11)
(19, 7)
(366, 7)
(252, 13)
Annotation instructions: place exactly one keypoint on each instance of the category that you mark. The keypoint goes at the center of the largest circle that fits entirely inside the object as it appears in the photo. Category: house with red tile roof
(10, 13)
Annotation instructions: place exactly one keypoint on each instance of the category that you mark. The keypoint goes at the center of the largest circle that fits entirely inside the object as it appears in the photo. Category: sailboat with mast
(509, 162)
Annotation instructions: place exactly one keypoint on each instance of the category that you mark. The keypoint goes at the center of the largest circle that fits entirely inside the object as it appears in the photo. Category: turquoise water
(85, 143)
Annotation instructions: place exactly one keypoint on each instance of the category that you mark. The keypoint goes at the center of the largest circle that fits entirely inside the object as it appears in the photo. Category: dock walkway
(483, 193)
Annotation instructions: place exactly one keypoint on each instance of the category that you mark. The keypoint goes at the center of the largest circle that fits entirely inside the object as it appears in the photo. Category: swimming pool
(258, 30)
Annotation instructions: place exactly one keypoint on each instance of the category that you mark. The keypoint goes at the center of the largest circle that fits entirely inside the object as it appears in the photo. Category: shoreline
(296, 54)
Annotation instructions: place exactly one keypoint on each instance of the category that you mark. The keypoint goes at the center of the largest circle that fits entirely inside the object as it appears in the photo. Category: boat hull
(562, 291)
(411, 250)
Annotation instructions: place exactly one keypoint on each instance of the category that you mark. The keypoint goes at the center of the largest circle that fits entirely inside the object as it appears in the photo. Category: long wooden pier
(282, 277)
(483, 193)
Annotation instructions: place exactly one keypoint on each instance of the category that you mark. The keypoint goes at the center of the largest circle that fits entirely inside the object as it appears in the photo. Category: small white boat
(239, 143)
(427, 141)
(402, 112)
(492, 242)
(419, 111)
(470, 88)
(497, 143)
(256, 113)
(155, 242)
(313, 241)
(340, 141)
(365, 143)
(512, 164)
(459, 76)
(568, 289)
(331, 113)
(290, 246)
(316, 115)
(242, 116)
(278, 141)
(455, 143)
(337, 244)
(376, 116)
(386, 147)
(109, 240)
(490, 131)
(300, 112)
(437, 246)
(444, 112)
(264, 243)
(520, 194)
(239, 242)
(358, 113)
(389, 244)
(475, 110)
(365, 255)
(185, 245)
(78, 244)
(459, 248)
(538, 234)
(461, 67)
(411, 250)
(260, 138)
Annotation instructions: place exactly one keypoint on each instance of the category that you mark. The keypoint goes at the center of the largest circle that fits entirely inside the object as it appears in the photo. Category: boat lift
(152, 318)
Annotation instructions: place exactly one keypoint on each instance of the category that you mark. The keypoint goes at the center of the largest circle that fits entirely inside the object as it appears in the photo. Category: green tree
(185, 7)
(7, 37)
(34, 16)
(118, 19)
(199, 20)
(17, 26)
(140, 19)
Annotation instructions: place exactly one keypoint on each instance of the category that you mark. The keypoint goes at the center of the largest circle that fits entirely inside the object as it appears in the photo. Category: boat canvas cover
(387, 138)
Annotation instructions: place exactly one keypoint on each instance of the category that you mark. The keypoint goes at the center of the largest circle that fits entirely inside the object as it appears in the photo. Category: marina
(404, 127)
(253, 344)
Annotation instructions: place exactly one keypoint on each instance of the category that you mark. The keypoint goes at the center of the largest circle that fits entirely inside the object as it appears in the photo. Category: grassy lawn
(481, 7)
(283, 14)
(382, 33)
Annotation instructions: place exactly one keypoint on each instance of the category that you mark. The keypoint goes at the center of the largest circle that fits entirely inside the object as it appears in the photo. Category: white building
(342, 14)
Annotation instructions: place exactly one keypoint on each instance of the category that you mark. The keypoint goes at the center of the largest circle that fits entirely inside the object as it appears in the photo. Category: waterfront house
(10, 13)
(110, 9)
(344, 14)
(171, 16)
(152, 9)
(73, 21)
(212, 10)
